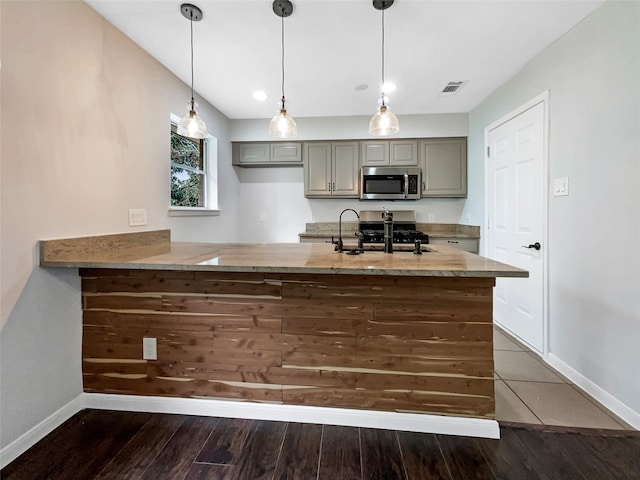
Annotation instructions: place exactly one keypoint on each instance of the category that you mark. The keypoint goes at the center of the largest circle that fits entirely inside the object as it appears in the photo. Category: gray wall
(593, 75)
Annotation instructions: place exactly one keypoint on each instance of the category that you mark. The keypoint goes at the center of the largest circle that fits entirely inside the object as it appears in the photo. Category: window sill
(193, 212)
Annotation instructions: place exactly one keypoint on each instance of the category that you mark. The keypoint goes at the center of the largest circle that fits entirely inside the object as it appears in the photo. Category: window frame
(209, 171)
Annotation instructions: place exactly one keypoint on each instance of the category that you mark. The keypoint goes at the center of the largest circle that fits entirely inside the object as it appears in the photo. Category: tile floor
(530, 391)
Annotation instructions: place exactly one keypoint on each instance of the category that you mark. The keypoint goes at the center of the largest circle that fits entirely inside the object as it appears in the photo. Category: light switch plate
(560, 187)
(137, 217)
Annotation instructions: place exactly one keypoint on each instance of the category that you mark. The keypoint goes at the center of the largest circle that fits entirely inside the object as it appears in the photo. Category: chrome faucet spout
(339, 245)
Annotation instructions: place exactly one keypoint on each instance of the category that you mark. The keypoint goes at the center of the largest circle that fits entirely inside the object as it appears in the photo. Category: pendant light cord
(382, 86)
(282, 41)
(191, 23)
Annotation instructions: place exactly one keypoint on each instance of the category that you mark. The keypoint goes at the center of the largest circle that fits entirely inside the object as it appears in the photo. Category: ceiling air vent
(452, 87)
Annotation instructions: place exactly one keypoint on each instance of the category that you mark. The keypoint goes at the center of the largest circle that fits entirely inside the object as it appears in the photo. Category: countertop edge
(281, 270)
(294, 258)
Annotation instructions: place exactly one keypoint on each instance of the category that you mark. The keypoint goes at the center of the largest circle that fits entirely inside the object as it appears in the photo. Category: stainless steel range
(404, 227)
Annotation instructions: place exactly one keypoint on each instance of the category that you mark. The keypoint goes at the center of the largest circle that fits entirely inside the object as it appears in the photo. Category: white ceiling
(332, 46)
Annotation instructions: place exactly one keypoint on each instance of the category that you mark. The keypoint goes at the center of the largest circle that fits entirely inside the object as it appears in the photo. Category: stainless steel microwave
(390, 183)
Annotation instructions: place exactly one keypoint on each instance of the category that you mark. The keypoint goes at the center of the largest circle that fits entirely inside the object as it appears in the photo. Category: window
(193, 175)
(188, 174)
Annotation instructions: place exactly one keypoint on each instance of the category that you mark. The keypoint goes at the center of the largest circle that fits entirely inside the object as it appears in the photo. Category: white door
(517, 212)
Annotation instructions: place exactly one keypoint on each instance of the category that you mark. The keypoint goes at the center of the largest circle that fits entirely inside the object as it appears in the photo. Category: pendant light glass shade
(384, 122)
(191, 125)
(282, 125)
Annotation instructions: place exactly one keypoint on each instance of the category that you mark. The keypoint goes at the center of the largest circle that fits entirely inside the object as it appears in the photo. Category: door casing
(544, 99)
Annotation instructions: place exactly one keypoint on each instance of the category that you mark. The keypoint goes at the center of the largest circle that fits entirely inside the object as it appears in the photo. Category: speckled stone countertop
(154, 250)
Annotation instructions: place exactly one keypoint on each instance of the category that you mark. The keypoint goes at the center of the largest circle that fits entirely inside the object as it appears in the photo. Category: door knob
(533, 245)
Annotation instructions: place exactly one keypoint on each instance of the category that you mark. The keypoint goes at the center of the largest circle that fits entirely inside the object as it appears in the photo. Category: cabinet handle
(334, 186)
(452, 241)
(424, 186)
(329, 186)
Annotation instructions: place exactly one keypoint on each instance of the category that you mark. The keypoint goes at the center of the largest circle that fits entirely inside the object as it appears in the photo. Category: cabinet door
(317, 169)
(374, 153)
(403, 152)
(250, 153)
(286, 153)
(444, 167)
(346, 169)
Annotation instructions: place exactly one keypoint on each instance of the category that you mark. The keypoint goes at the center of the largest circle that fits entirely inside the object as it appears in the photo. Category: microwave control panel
(413, 184)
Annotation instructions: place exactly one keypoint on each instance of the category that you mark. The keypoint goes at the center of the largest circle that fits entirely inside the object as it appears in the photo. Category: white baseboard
(410, 422)
(23, 443)
(609, 401)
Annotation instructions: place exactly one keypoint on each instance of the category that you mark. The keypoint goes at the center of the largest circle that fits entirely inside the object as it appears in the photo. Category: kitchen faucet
(339, 243)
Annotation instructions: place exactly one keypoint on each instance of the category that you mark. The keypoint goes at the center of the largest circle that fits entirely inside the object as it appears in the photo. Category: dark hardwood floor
(97, 444)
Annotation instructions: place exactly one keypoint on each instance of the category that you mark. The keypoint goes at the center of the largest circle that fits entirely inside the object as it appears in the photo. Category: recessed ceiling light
(362, 86)
(389, 87)
(260, 96)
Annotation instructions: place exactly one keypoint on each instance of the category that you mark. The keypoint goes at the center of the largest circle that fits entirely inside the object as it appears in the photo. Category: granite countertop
(154, 250)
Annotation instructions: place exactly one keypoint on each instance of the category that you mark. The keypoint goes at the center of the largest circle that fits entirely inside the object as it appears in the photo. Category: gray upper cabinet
(444, 167)
(374, 153)
(403, 152)
(286, 153)
(276, 154)
(331, 169)
(377, 153)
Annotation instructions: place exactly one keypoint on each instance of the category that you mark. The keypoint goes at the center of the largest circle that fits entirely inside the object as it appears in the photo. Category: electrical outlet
(263, 217)
(149, 349)
(137, 217)
(468, 219)
(431, 217)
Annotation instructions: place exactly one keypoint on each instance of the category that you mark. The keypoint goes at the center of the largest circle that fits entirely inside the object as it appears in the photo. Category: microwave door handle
(406, 185)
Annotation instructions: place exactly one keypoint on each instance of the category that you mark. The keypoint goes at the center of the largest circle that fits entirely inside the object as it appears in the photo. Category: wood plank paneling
(181, 387)
(176, 321)
(321, 326)
(175, 285)
(398, 401)
(387, 343)
(425, 383)
(272, 375)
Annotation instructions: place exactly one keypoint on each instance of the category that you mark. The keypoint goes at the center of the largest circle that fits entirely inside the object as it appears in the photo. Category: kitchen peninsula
(292, 324)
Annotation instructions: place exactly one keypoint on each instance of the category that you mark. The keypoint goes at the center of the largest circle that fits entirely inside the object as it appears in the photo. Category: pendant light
(282, 125)
(384, 122)
(191, 124)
